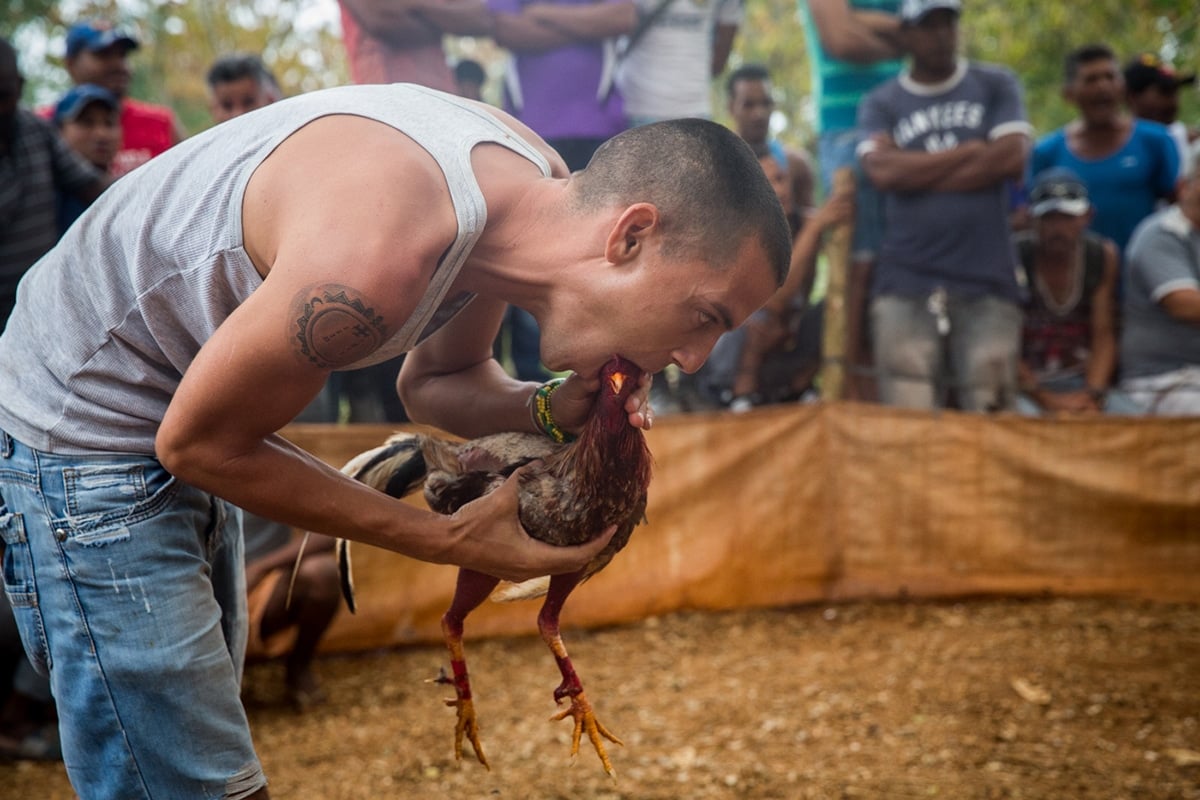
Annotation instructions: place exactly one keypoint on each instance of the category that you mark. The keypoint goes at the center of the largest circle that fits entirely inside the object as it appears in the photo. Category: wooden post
(833, 338)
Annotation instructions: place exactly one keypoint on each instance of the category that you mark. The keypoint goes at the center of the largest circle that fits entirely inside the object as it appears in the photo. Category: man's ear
(628, 236)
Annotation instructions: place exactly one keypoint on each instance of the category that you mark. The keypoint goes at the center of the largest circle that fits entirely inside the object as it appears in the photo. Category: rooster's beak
(616, 381)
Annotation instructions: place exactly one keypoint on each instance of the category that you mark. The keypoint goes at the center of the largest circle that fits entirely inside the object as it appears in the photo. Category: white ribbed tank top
(108, 321)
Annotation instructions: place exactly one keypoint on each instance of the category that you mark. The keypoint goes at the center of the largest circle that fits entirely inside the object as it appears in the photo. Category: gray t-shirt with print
(951, 239)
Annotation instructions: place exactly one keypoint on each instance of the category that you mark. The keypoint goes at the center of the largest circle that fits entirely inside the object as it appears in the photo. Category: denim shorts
(129, 589)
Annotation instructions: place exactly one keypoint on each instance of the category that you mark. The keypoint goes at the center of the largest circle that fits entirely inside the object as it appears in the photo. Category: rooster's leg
(471, 590)
(580, 709)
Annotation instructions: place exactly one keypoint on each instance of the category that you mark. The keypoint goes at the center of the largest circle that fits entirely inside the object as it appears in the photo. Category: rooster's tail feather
(397, 468)
(526, 590)
(345, 574)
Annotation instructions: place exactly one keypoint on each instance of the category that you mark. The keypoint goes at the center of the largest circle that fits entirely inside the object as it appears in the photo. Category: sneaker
(741, 404)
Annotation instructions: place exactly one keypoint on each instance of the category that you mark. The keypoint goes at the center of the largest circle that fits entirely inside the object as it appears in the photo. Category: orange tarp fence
(838, 501)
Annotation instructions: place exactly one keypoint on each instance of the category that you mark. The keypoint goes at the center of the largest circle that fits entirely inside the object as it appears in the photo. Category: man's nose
(692, 358)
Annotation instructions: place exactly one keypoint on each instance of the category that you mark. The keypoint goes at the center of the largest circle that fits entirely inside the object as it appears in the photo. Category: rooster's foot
(585, 720)
(466, 725)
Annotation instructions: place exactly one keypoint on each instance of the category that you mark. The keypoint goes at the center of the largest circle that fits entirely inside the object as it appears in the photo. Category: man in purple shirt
(558, 82)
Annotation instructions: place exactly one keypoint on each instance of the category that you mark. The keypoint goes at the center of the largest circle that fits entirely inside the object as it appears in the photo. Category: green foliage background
(300, 41)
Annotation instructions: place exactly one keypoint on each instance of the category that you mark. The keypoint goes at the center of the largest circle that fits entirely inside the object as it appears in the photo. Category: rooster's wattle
(568, 493)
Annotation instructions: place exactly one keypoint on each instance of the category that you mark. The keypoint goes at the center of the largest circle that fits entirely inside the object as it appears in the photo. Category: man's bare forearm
(894, 170)
(519, 33)
(1000, 160)
(587, 22)
(395, 23)
(1183, 305)
(458, 17)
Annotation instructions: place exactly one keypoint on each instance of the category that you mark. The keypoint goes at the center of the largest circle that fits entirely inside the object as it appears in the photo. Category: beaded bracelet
(539, 409)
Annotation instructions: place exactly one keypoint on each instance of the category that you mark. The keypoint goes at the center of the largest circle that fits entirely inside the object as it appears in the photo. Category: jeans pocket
(21, 588)
(104, 500)
(18, 565)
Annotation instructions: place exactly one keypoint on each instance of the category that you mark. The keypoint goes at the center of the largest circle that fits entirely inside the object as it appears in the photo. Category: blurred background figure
(1068, 339)
(28, 717)
(945, 306)
(98, 53)
(774, 356)
(88, 118)
(678, 47)
(1152, 92)
(239, 83)
(751, 103)
(293, 630)
(1160, 338)
(469, 79)
(1128, 165)
(35, 165)
(853, 46)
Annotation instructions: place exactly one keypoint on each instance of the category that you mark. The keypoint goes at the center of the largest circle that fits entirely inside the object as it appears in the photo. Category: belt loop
(6, 445)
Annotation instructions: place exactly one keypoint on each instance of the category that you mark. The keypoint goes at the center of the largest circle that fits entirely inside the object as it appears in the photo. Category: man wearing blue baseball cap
(98, 53)
(89, 119)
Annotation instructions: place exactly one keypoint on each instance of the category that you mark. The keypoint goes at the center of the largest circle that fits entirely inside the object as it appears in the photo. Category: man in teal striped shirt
(853, 46)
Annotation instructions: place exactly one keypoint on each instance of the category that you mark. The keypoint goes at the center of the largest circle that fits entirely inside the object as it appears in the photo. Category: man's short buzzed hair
(1086, 55)
(746, 72)
(711, 194)
(236, 66)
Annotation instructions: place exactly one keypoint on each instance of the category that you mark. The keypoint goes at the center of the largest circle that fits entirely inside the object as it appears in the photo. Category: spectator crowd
(989, 269)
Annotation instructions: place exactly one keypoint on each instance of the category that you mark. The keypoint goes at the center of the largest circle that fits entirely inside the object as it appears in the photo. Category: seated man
(1068, 341)
(1160, 341)
(285, 627)
(775, 355)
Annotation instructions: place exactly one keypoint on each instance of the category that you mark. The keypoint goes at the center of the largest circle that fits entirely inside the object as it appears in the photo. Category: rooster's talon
(584, 717)
(467, 727)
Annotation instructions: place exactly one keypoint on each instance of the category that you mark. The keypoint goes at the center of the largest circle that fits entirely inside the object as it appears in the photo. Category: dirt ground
(1048, 698)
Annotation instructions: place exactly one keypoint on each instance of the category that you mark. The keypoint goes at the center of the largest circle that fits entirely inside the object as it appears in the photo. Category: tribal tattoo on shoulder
(335, 326)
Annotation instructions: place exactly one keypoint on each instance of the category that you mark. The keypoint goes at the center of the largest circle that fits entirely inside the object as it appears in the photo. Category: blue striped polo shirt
(838, 86)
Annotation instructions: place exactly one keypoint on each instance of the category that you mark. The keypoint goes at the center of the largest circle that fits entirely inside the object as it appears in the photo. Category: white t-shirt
(1179, 133)
(668, 72)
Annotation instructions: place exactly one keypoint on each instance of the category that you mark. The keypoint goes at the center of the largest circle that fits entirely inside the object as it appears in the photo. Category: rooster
(568, 493)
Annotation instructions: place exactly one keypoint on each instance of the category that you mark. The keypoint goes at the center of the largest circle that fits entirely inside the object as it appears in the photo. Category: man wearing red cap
(99, 53)
(1152, 92)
